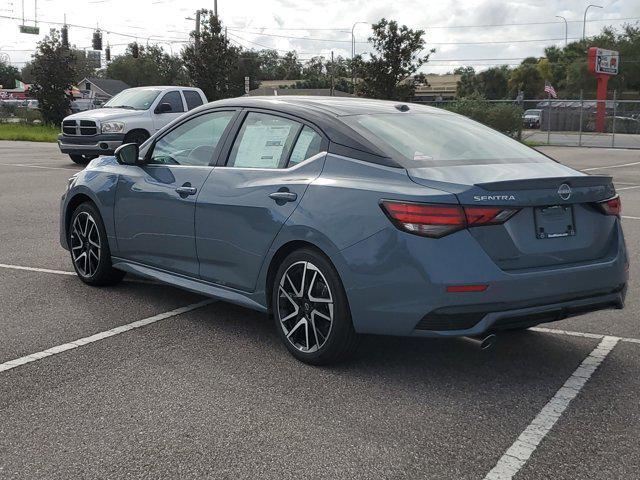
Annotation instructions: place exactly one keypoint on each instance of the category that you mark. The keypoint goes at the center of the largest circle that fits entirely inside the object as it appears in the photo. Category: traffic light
(107, 53)
(65, 36)
(135, 50)
(96, 43)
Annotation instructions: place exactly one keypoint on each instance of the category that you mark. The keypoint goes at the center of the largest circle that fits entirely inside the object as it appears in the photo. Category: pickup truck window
(193, 142)
(193, 99)
(134, 99)
(174, 99)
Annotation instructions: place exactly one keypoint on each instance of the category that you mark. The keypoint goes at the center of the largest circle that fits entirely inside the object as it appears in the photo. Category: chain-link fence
(578, 122)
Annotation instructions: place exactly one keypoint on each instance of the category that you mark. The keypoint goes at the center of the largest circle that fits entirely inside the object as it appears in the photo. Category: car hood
(105, 114)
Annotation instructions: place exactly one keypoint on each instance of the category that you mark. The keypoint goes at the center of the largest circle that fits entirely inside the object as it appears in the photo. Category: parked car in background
(84, 104)
(531, 118)
(131, 116)
(342, 216)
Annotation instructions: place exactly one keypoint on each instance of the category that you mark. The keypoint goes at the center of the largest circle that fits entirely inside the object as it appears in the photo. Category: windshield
(431, 140)
(135, 99)
(535, 113)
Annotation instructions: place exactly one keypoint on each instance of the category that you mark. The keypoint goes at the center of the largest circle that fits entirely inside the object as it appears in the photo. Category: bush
(504, 117)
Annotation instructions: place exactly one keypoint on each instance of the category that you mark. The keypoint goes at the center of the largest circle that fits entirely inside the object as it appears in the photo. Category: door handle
(186, 190)
(283, 197)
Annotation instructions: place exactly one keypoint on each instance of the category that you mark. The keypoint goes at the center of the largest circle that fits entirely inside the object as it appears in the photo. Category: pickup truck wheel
(81, 159)
(136, 136)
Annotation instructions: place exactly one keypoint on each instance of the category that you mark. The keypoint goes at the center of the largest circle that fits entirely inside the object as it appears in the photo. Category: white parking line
(570, 333)
(522, 449)
(610, 166)
(33, 269)
(63, 272)
(630, 218)
(100, 336)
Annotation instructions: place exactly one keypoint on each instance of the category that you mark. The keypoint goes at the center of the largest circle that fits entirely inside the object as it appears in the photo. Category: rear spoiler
(547, 182)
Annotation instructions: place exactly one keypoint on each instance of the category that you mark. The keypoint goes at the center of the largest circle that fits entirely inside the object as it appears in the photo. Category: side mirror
(164, 108)
(127, 154)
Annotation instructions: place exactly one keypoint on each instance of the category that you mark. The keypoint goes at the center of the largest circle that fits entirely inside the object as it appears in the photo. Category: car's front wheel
(90, 254)
(311, 311)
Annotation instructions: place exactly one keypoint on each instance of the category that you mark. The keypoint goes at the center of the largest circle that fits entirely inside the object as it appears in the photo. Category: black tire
(136, 136)
(81, 159)
(328, 341)
(86, 229)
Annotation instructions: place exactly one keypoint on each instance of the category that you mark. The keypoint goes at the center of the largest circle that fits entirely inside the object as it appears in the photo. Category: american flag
(550, 90)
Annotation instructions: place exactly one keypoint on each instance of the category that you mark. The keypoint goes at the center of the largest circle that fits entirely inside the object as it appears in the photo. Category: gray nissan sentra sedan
(345, 216)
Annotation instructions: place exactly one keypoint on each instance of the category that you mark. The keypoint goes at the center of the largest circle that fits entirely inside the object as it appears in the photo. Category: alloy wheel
(305, 306)
(85, 244)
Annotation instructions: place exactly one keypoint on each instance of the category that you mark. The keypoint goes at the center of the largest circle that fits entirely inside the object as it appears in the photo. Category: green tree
(527, 79)
(494, 82)
(8, 75)
(53, 74)
(289, 67)
(152, 67)
(212, 62)
(469, 82)
(388, 74)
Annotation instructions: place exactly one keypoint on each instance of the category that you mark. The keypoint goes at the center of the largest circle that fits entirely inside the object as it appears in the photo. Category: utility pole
(353, 54)
(332, 77)
(197, 29)
(215, 8)
(584, 21)
(566, 29)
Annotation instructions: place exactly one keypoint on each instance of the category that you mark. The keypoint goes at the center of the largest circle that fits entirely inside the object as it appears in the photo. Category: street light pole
(566, 29)
(353, 53)
(584, 21)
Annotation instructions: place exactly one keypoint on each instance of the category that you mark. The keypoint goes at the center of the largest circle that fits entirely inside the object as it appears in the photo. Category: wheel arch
(281, 253)
(73, 203)
(137, 130)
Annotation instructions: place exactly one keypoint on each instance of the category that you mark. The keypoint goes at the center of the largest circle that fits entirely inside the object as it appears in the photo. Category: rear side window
(174, 99)
(440, 139)
(307, 145)
(193, 99)
(264, 141)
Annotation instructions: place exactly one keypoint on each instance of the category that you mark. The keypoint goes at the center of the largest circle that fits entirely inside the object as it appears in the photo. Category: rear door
(155, 202)
(245, 202)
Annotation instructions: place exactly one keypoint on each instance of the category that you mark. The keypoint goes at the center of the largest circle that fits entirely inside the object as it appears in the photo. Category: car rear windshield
(135, 99)
(440, 139)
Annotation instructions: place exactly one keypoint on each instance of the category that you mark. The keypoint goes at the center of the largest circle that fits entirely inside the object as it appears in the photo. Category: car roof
(337, 106)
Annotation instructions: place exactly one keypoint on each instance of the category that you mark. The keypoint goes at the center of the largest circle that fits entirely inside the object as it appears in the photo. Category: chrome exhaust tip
(482, 342)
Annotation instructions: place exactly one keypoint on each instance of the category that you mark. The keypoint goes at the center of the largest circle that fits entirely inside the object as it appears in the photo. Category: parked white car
(131, 116)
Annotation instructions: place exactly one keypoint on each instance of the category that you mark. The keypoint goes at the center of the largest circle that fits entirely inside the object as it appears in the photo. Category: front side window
(440, 139)
(307, 145)
(264, 141)
(193, 99)
(193, 142)
(174, 99)
(134, 99)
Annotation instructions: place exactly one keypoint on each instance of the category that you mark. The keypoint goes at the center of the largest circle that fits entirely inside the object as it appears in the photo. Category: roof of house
(109, 86)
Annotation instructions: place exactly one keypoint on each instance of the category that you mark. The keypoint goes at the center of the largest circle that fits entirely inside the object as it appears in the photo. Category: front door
(155, 202)
(244, 204)
(162, 117)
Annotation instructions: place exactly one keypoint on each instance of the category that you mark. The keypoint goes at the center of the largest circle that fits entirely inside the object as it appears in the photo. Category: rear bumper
(396, 285)
(101, 144)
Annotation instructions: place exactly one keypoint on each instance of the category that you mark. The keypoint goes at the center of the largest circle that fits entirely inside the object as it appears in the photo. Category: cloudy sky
(467, 32)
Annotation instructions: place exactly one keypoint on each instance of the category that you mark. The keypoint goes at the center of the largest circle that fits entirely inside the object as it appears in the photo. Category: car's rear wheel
(311, 311)
(90, 254)
(81, 159)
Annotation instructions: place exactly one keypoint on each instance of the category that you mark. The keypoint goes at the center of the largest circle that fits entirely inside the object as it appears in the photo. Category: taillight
(438, 220)
(612, 206)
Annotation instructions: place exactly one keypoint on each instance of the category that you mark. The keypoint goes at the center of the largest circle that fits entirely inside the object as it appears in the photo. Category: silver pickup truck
(133, 115)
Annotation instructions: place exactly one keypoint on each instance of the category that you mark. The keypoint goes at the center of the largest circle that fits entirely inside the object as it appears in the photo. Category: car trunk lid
(557, 223)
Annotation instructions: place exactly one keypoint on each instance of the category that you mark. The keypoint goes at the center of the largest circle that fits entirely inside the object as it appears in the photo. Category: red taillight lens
(435, 220)
(613, 206)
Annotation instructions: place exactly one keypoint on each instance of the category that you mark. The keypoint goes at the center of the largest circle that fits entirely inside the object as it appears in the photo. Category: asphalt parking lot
(207, 391)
